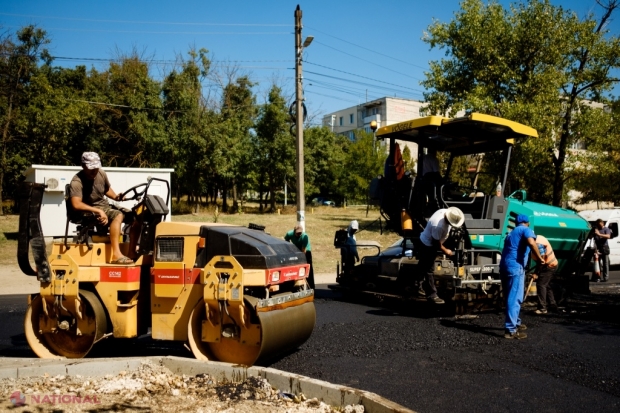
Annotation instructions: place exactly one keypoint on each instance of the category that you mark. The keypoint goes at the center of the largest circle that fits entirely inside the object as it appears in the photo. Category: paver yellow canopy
(235, 294)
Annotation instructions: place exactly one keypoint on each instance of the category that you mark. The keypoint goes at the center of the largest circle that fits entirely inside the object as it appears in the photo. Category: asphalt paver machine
(475, 151)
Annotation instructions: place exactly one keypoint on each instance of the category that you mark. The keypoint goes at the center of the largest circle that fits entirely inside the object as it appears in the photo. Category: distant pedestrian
(348, 253)
(543, 274)
(512, 271)
(601, 235)
(300, 239)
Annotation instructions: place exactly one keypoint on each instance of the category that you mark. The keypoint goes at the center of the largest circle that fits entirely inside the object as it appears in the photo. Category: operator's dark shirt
(93, 192)
(600, 241)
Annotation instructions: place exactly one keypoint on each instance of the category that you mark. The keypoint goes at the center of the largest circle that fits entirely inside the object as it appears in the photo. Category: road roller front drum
(278, 331)
(66, 342)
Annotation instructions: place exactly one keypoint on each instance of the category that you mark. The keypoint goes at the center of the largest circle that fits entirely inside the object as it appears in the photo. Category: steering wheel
(136, 192)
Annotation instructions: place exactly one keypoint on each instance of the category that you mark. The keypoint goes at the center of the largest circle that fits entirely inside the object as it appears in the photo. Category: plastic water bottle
(498, 190)
(542, 250)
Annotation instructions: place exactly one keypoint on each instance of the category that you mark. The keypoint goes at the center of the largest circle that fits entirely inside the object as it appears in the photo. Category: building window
(578, 145)
(351, 118)
(341, 121)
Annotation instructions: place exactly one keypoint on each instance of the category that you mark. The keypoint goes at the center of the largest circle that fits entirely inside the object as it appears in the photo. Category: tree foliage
(274, 149)
(534, 63)
(20, 56)
(227, 144)
(365, 159)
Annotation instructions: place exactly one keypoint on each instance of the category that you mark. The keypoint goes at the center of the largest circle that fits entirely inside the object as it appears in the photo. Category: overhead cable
(365, 48)
(147, 22)
(366, 60)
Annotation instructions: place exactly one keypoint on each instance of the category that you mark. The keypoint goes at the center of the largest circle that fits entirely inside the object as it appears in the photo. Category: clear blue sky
(362, 49)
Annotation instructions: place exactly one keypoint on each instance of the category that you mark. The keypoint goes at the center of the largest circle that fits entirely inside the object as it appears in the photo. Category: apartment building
(386, 111)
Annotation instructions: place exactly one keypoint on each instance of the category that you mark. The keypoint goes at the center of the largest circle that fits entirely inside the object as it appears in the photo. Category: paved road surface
(569, 362)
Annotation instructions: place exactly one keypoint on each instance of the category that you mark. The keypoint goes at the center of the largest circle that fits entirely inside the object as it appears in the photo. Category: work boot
(515, 335)
(542, 311)
(435, 300)
(521, 327)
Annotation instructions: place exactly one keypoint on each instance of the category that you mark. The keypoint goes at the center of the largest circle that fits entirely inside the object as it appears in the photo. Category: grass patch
(321, 224)
(9, 225)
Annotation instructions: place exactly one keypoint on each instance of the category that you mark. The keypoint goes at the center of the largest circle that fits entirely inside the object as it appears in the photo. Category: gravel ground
(152, 388)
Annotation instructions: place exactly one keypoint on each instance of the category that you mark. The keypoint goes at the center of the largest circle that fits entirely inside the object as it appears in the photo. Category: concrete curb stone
(331, 394)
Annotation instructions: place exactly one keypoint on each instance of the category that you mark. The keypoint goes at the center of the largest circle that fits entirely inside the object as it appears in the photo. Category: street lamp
(299, 96)
(373, 126)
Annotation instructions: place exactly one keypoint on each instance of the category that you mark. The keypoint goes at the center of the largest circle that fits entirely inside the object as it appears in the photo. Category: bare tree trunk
(225, 198)
(5, 139)
(235, 205)
(272, 194)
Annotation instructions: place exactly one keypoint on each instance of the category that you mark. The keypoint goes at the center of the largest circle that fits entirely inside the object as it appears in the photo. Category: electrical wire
(360, 83)
(158, 32)
(146, 22)
(363, 77)
(365, 60)
(367, 49)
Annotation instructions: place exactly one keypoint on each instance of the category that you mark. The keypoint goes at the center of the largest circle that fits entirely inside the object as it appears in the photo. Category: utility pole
(299, 96)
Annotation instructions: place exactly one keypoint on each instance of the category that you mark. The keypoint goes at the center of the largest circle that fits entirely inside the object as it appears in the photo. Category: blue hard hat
(521, 218)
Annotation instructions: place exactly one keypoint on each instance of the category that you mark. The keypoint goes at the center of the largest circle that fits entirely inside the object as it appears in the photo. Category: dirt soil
(153, 388)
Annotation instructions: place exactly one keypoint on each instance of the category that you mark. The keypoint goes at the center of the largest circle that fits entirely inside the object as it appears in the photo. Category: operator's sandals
(123, 261)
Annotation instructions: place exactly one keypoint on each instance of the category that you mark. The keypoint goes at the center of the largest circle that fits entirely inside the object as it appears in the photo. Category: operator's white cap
(91, 160)
(455, 217)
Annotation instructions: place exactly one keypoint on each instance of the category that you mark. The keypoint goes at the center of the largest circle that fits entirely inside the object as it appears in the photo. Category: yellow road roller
(234, 294)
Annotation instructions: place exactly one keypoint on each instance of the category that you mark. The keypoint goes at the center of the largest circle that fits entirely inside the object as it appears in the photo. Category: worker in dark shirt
(88, 190)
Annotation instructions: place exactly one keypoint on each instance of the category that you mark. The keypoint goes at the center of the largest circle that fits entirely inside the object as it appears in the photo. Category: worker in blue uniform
(512, 271)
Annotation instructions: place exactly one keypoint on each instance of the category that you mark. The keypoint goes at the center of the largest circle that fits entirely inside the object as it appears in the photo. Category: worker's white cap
(91, 160)
(455, 217)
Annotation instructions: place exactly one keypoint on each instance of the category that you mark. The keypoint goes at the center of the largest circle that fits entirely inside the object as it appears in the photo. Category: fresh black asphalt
(570, 361)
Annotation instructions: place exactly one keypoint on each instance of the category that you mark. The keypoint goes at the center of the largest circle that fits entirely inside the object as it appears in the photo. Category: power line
(365, 60)
(355, 91)
(100, 59)
(159, 32)
(363, 77)
(365, 48)
(146, 22)
(329, 96)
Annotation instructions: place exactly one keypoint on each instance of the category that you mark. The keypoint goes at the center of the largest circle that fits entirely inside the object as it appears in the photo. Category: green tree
(596, 175)
(409, 162)
(128, 128)
(56, 118)
(20, 55)
(535, 63)
(274, 146)
(189, 146)
(238, 114)
(365, 160)
(324, 162)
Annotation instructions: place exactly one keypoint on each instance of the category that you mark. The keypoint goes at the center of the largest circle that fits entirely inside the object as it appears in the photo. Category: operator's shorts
(112, 212)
